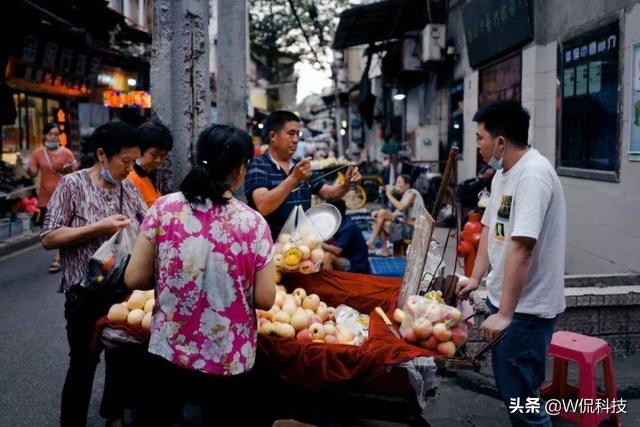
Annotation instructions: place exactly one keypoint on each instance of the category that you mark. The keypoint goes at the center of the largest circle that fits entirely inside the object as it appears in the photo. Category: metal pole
(337, 112)
(180, 91)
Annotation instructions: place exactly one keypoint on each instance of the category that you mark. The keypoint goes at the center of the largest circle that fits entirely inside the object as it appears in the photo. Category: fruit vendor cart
(385, 377)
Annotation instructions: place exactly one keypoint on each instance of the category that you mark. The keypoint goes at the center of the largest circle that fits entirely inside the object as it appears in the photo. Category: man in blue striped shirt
(272, 177)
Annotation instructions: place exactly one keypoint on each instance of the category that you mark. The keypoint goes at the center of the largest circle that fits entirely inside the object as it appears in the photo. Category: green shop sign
(495, 26)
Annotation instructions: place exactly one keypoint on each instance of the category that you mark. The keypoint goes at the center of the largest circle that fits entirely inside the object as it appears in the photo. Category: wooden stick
(444, 184)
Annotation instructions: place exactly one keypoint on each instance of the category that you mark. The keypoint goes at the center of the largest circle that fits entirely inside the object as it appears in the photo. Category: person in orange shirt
(52, 161)
(155, 143)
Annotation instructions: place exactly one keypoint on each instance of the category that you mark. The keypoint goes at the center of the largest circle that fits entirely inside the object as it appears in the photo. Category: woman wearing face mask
(52, 161)
(155, 143)
(210, 256)
(87, 208)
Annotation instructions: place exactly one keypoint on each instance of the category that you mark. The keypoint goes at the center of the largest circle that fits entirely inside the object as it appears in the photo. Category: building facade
(574, 64)
(75, 65)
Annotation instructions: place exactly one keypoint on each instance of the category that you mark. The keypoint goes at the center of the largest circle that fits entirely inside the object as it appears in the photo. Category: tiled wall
(614, 318)
(467, 167)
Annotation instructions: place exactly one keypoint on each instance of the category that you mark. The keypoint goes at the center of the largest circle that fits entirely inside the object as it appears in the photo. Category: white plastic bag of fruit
(105, 271)
(299, 246)
(432, 325)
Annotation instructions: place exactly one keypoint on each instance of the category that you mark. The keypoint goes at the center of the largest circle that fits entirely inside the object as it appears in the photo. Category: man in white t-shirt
(523, 241)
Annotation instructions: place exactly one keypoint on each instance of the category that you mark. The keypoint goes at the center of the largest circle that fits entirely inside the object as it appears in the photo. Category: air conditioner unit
(426, 143)
(433, 42)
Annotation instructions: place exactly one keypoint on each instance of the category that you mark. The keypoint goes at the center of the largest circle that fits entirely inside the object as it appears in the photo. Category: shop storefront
(495, 33)
(66, 67)
(34, 111)
(48, 78)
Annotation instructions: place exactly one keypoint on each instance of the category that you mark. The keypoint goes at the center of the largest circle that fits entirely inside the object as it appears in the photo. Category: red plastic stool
(586, 352)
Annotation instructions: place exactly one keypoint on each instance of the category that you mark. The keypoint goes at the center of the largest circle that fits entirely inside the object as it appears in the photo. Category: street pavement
(33, 359)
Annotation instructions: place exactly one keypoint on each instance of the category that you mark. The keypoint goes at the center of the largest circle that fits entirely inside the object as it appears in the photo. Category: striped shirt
(78, 201)
(264, 172)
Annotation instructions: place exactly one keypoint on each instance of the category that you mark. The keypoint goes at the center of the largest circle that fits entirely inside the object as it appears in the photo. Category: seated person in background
(406, 210)
(155, 143)
(347, 250)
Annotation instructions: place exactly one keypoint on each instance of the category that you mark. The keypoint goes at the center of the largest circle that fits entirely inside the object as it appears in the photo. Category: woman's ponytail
(198, 186)
(220, 150)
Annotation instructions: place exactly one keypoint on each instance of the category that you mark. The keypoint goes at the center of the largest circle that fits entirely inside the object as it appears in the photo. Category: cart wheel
(355, 198)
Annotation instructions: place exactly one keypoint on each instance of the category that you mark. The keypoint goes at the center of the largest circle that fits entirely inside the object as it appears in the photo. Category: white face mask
(493, 162)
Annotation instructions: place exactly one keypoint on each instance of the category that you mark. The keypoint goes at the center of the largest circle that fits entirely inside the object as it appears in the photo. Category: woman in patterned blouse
(210, 256)
(86, 208)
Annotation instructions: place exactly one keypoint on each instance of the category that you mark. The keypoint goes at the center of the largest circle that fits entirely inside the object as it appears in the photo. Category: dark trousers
(170, 388)
(82, 309)
(519, 366)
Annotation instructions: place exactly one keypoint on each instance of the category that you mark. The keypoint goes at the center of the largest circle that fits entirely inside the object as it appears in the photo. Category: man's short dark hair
(276, 121)
(154, 134)
(340, 205)
(507, 119)
(113, 137)
(406, 178)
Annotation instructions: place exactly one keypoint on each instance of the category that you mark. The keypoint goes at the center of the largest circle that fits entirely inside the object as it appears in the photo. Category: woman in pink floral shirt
(210, 256)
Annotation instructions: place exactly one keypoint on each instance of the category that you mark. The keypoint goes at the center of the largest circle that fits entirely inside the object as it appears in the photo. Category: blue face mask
(493, 162)
(106, 175)
(52, 145)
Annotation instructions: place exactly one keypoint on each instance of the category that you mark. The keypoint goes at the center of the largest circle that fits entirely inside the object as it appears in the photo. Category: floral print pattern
(206, 259)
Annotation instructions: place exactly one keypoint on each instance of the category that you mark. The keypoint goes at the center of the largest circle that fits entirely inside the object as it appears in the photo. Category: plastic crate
(5, 230)
(389, 266)
(17, 228)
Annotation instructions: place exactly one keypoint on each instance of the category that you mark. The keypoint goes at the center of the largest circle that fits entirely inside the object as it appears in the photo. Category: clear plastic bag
(483, 198)
(353, 323)
(432, 325)
(105, 272)
(299, 245)
(434, 266)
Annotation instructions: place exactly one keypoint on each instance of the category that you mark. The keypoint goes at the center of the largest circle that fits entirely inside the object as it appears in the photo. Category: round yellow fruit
(135, 317)
(136, 301)
(118, 313)
(146, 322)
(148, 306)
(292, 257)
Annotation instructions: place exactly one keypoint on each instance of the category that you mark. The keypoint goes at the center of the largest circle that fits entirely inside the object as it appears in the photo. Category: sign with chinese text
(53, 67)
(134, 98)
(589, 73)
(495, 26)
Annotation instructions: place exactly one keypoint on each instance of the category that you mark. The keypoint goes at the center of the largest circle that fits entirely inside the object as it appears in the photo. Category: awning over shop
(385, 20)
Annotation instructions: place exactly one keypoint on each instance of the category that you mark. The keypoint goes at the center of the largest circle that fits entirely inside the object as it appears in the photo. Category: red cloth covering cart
(377, 379)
